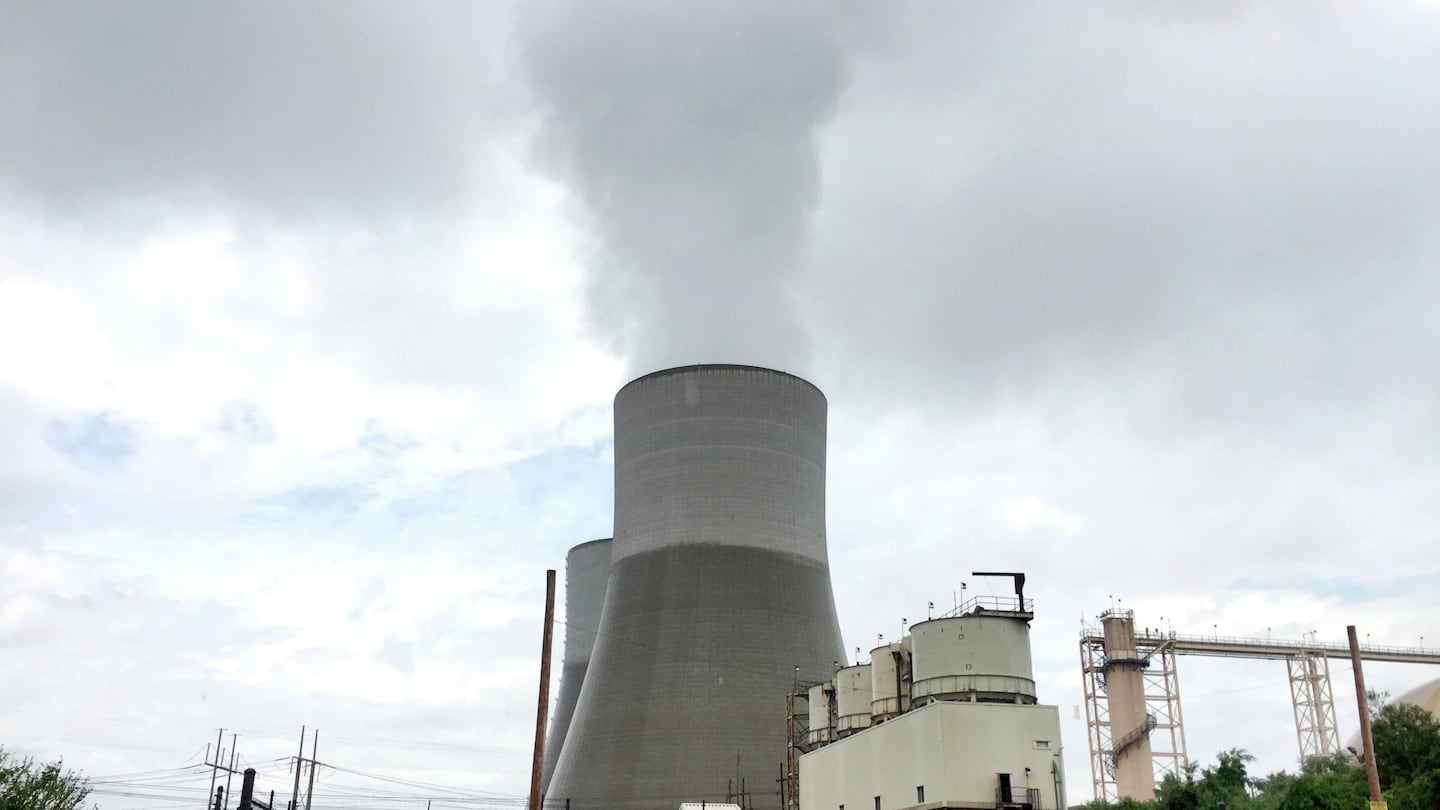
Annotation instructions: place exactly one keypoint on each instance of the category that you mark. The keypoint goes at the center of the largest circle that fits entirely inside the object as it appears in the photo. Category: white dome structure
(1426, 696)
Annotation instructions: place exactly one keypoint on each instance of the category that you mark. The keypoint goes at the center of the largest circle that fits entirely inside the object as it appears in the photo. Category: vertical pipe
(247, 789)
(544, 701)
(1372, 774)
(295, 796)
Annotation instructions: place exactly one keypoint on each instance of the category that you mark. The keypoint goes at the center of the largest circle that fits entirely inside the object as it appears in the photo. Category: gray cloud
(1028, 193)
(290, 111)
(690, 137)
(1118, 282)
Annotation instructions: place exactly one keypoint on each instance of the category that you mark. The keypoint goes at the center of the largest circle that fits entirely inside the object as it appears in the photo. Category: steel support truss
(1315, 726)
(1162, 707)
(1310, 695)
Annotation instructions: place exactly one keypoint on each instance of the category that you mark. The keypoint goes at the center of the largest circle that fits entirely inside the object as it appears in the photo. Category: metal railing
(1213, 643)
(984, 604)
(1014, 797)
(1135, 735)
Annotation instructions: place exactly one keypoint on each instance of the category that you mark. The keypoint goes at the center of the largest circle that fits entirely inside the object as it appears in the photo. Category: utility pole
(218, 737)
(231, 772)
(222, 793)
(295, 796)
(1372, 773)
(314, 748)
(544, 700)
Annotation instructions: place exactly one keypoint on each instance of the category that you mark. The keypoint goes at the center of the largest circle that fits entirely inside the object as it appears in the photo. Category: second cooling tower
(587, 572)
(719, 595)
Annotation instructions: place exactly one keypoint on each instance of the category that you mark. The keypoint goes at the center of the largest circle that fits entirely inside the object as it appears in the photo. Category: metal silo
(890, 680)
(719, 597)
(821, 706)
(975, 656)
(587, 572)
(852, 699)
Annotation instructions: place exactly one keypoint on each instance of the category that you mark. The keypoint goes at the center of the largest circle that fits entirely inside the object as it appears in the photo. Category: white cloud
(307, 375)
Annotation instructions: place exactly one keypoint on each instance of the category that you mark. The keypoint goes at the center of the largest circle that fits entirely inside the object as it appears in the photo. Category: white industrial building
(945, 718)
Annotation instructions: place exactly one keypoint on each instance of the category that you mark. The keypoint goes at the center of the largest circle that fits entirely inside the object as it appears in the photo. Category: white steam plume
(689, 134)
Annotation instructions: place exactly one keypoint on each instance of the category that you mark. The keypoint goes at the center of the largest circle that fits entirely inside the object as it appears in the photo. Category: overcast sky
(311, 316)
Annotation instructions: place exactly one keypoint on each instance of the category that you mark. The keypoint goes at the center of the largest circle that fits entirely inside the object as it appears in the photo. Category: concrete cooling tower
(719, 595)
(587, 570)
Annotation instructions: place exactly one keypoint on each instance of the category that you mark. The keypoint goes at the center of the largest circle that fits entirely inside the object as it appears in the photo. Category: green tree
(25, 785)
(1324, 783)
(1176, 793)
(1419, 792)
(1406, 741)
(1226, 783)
(1123, 804)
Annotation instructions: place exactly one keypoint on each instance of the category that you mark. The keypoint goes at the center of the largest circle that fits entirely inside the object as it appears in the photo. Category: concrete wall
(954, 750)
(728, 455)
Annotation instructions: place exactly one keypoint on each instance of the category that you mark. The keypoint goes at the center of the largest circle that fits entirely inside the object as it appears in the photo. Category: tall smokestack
(719, 590)
(587, 570)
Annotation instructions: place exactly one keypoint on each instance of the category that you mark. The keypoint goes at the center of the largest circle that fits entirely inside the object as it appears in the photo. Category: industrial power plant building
(945, 718)
(717, 602)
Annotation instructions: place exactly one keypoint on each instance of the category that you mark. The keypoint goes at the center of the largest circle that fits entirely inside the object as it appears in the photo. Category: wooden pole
(1372, 774)
(542, 710)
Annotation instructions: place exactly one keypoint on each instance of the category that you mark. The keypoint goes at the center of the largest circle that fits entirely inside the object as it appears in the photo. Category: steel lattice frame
(797, 727)
(1097, 717)
(1308, 662)
(1162, 702)
(1315, 726)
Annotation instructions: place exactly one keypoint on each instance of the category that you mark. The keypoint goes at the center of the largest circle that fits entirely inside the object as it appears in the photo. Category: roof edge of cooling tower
(665, 372)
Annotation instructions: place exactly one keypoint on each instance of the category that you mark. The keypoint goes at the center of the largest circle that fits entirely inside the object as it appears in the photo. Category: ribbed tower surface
(587, 571)
(719, 590)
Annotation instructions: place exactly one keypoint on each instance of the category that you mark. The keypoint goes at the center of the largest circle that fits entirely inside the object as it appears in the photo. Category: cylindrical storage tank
(972, 657)
(587, 572)
(889, 681)
(820, 732)
(852, 699)
(719, 596)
